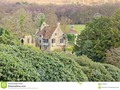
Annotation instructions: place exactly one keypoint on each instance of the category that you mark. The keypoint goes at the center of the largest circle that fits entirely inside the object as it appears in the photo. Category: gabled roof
(46, 32)
(72, 31)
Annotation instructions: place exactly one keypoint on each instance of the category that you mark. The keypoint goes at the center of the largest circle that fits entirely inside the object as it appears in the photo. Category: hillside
(86, 2)
(22, 63)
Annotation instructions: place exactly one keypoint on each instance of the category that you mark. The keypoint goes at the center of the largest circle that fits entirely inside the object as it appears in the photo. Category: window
(32, 40)
(61, 40)
(55, 34)
(53, 40)
(22, 41)
(45, 40)
(28, 40)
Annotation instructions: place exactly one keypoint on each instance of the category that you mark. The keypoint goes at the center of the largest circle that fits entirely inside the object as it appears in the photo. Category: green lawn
(77, 27)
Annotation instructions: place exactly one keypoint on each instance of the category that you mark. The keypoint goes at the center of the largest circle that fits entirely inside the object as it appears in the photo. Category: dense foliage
(23, 63)
(75, 14)
(28, 64)
(25, 18)
(113, 57)
(99, 72)
(99, 35)
(116, 19)
(71, 38)
(7, 38)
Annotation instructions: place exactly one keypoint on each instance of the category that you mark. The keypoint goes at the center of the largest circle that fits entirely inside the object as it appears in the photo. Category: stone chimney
(58, 24)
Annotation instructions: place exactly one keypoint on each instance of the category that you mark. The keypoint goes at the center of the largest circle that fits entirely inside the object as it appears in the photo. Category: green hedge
(14, 69)
(23, 63)
(45, 65)
(114, 71)
(98, 71)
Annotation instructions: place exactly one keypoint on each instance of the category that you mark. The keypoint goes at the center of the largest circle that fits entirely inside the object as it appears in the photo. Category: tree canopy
(8, 38)
(98, 36)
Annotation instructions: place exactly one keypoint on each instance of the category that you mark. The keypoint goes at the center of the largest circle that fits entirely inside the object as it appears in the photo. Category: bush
(23, 63)
(71, 38)
(13, 69)
(94, 71)
(51, 67)
(113, 57)
(8, 38)
(69, 48)
(114, 71)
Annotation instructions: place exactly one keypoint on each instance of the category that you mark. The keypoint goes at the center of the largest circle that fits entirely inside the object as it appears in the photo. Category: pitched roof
(72, 31)
(46, 32)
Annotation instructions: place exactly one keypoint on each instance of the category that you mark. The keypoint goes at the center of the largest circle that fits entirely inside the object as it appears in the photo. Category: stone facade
(28, 40)
(50, 38)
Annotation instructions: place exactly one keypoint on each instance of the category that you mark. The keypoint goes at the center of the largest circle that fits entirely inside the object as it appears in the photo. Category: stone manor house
(47, 38)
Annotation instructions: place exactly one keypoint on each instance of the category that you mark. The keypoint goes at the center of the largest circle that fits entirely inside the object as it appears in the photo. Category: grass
(77, 27)
(66, 28)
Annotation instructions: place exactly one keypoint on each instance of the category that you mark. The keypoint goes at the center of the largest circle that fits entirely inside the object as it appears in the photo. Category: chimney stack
(58, 24)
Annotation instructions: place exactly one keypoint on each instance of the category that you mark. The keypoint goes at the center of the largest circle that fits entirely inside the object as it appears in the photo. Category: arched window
(22, 41)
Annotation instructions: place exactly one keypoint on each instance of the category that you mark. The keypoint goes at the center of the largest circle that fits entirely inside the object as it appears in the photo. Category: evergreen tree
(99, 35)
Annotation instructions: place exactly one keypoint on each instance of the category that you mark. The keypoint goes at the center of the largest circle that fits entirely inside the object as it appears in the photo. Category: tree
(116, 19)
(99, 35)
(19, 23)
(41, 20)
(71, 38)
(64, 22)
(51, 18)
(8, 38)
(113, 57)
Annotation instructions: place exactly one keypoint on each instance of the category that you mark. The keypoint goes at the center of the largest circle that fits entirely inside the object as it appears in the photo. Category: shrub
(13, 69)
(7, 38)
(114, 71)
(28, 64)
(113, 57)
(69, 48)
(49, 66)
(71, 38)
(94, 71)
